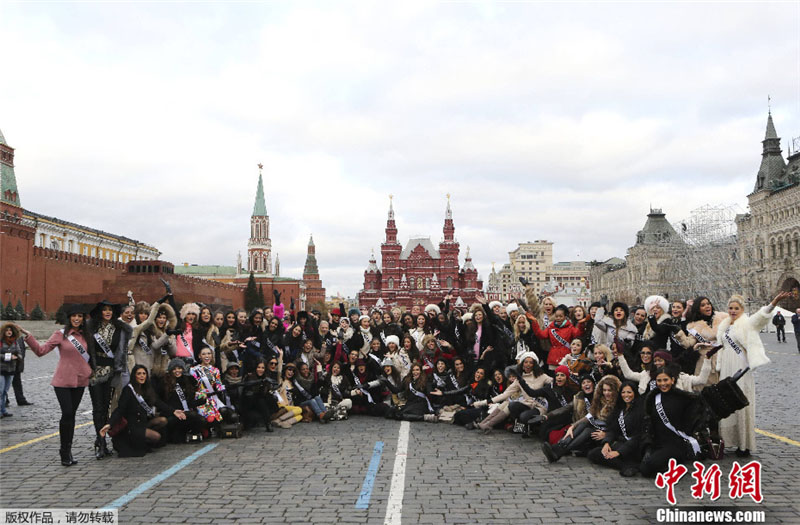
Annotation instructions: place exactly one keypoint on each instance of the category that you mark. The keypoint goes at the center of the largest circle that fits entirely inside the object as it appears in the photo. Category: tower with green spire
(9, 194)
(259, 247)
(773, 167)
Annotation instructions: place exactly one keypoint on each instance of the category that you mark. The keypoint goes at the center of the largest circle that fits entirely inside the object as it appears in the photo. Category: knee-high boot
(66, 432)
(491, 420)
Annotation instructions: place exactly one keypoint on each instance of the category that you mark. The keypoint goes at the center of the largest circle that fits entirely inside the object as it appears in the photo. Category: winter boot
(431, 418)
(495, 418)
(553, 453)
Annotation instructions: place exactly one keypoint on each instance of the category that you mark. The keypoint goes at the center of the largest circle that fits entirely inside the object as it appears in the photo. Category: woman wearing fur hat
(433, 350)
(558, 402)
(742, 348)
(671, 417)
(524, 406)
(620, 449)
(580, 435)
(72, 372)
(179, 391)
(188, 343)
(614, 328)
(663, 324)
(702, 325)
(150, 344)
(108, 349)
(399, 356)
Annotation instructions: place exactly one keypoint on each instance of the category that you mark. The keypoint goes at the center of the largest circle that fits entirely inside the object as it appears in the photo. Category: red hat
(563, 369)
(663, 354)
(336, 311)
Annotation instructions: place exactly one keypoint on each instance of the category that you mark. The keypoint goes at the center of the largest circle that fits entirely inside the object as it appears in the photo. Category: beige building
(716, 254)
(769, 236)
(534, 262)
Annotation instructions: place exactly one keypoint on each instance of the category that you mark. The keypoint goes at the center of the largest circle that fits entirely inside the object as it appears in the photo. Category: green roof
(260, 208)
(210, 269)
(8, 185)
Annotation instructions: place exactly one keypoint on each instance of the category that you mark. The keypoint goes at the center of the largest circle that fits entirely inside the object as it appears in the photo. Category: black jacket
(685, 411)
(634, 428)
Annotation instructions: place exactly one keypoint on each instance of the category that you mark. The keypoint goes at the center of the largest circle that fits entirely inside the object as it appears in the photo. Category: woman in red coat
(72, 373)
(560, 332)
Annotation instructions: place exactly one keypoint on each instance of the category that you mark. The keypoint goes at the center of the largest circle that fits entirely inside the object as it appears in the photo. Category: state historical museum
(419, 273)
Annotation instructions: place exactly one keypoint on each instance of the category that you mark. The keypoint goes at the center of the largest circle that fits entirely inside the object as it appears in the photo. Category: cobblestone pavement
(313, 473)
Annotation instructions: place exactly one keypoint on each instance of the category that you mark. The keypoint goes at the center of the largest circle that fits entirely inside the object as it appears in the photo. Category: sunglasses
(273, 364)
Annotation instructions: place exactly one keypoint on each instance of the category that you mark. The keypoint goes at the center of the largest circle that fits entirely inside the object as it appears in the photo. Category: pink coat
(72, 370)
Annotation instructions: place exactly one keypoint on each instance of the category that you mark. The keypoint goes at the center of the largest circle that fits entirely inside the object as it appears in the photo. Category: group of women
(618, 388)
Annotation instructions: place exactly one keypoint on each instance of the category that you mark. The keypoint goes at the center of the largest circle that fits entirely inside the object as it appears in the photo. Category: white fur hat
(525, 355)
(433, 307)
(466, 317)
(361, 318)
(393, 339)
(495, 303)
(189, 308)
(656, 299)
(512, 307)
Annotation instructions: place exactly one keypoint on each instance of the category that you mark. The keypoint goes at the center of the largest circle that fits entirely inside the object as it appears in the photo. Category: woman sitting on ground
(671, 417)
(257, 402)
(417, 388)
(591, 427)
(335, 392)
(179, 391)
(479, 390)
(620, 449)
(525, 406)
(139, 407)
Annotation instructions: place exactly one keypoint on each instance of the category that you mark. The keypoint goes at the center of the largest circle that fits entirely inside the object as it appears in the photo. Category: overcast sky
(544, 121)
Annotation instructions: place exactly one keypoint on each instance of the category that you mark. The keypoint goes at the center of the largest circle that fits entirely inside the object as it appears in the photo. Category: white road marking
(35, 378)
(394, 506)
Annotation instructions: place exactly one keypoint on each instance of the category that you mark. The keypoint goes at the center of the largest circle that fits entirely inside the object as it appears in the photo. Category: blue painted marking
(369, 479)
(124, 500)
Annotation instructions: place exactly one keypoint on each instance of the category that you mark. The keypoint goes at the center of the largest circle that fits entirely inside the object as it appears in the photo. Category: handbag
(101, 374)
(119, 427)
(711, 447)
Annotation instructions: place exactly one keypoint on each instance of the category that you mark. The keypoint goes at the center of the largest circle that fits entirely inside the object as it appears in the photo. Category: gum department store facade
(763, 256)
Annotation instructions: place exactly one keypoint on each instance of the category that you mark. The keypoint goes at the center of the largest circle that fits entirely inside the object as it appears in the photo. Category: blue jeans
(315, 404)
(5, 383)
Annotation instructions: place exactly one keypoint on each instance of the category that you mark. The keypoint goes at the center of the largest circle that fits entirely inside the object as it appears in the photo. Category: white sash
(664, 419)
(104, 345)
(559, 338)
(357, 381)
(738, 349)
(621, 421)
(145, 346)
(420, 394)
(694, 333)
(182, 397)
(596, 423)
(208, 386)
(150, 411)
(79, 347)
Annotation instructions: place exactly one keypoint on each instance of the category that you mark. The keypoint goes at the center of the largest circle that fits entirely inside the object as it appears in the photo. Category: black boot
(552, 453)
(66, 432)
(100, 448)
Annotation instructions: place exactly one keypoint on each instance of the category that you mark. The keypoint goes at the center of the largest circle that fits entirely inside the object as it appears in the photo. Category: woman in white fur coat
(742, 348)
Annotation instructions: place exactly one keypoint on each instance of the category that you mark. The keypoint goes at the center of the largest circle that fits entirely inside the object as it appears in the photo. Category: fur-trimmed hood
(13, 327)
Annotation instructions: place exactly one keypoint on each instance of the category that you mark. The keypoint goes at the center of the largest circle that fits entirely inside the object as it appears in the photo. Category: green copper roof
(210, 269)
(8, 185)
(260, 208)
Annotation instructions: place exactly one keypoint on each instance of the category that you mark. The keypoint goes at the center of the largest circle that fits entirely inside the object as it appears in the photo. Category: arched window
(391, 283)
(449, 282)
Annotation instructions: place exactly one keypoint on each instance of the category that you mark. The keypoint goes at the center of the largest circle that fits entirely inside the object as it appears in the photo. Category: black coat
(634, 428)
(685, 410)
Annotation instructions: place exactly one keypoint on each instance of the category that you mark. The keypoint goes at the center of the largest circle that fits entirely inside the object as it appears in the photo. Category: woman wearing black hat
(108, 349)
(72, 372)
